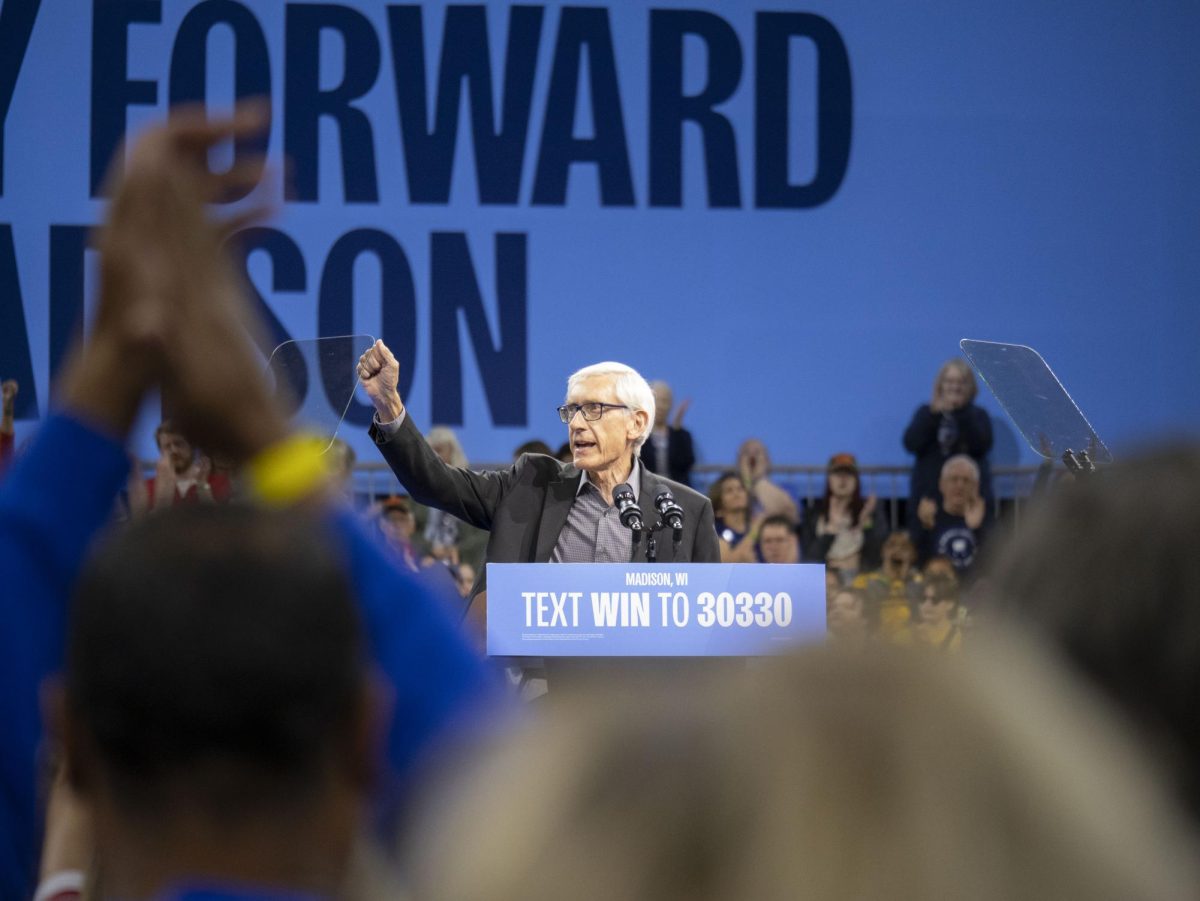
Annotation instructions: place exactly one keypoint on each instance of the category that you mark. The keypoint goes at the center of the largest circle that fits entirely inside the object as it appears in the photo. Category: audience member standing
(949, 424)
(668, 451)
(766, 497)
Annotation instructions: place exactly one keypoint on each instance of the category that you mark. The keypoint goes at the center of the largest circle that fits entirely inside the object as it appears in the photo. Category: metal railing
(1011, 485)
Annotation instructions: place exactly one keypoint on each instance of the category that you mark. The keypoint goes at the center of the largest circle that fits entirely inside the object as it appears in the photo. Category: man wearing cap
(541, 510)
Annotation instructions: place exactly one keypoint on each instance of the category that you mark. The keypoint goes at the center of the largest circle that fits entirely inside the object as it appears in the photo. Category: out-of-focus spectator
(181, 740)
(342, 459)
(8, 397)
(832, 585)
(564, 454)
(777, 540)
(1107, 568)
(948, 425)
(895, 588)
(464, 578)
(842, 530)
(828, 776)
(395, 520)
(955, 527)
(668, 451)
(731, 517)
(170, 304)
(846, 617)
(182, 475)
(938, 625)
(441, 529)
(535, 446)
(939, 567)
(766, 498)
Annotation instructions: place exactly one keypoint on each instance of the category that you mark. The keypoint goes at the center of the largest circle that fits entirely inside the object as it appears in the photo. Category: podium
(652, 610)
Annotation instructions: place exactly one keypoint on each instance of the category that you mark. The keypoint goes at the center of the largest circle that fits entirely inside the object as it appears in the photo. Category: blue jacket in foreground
(54, 500)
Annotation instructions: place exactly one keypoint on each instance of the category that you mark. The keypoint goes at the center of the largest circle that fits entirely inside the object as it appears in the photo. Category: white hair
(441, 434)
(964, 460)
(631, 389)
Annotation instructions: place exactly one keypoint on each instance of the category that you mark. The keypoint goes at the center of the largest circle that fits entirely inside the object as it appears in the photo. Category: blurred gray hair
(961, 460)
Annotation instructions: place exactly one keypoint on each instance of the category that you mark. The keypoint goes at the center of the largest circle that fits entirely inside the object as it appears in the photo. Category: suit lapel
(560, 494)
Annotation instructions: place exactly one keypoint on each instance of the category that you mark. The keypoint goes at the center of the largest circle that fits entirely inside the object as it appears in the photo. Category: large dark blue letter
(68, 258)
(578, 28)
(287, 274)
(305, 103)
(429, 155)
(16, 25)
(774, 32)
(670, 108)
(397, 301)
(14, 340)
(502, 367)
(112, 90)
(251, 66)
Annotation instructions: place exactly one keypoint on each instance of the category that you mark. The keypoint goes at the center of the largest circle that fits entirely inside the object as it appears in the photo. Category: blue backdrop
(790, 212)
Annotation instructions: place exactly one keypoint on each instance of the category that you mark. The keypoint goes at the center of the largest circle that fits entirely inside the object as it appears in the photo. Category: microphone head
(665, 502)
(627, 508)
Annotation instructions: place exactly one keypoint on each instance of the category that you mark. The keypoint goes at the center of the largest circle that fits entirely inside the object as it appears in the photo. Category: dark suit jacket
(525, 507)
(680, 456)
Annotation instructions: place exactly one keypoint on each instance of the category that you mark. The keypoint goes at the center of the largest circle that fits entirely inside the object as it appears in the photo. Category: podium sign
(652, 610)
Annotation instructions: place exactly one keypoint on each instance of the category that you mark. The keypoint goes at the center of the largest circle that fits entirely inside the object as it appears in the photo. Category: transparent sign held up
(1035, 400)
(315, 380)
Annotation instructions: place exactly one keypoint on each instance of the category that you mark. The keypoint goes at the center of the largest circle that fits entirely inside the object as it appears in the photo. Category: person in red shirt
(183, 475)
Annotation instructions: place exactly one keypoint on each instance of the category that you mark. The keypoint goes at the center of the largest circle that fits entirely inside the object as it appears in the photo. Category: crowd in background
(240, 692)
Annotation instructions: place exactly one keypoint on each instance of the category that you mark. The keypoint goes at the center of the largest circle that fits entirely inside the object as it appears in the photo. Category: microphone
(627, 508)
(670, 511)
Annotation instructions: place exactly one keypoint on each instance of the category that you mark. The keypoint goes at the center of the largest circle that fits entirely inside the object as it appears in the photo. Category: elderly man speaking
(541, 510)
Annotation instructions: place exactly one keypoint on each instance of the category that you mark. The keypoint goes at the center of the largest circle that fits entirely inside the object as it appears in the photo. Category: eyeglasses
(592, 410)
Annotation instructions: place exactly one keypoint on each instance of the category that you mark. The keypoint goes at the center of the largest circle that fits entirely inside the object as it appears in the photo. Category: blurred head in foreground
(1108, 569)
(826, 776)
(216, 715)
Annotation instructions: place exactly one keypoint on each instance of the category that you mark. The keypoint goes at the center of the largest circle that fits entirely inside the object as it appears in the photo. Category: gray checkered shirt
(593, 532)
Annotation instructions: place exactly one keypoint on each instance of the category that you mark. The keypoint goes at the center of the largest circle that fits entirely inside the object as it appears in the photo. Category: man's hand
(8, 391)
(380, 376)
(753, 461)
(171, 308)
(677, 419)
(927, 512)
(974, 512)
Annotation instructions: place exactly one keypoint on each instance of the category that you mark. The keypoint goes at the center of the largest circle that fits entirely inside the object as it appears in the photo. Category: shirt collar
(635, 479)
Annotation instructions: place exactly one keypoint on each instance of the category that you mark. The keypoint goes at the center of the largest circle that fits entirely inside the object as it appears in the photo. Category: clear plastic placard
(314, 380)
(1034, 399)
